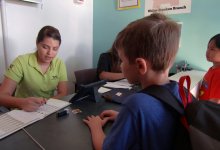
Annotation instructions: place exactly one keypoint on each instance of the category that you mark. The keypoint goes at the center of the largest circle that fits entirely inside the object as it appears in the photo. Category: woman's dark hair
(216, 39)
(48, 31)
(115, 59)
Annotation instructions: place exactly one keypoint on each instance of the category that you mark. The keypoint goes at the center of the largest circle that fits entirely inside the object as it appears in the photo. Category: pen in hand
(44, 101)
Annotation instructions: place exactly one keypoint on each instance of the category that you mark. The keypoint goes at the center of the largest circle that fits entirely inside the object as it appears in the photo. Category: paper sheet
(103, 90)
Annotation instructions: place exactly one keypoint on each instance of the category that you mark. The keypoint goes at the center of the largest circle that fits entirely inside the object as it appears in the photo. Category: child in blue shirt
(147, 48)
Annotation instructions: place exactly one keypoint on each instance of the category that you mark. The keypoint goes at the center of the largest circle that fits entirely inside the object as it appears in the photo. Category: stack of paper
(15, 120)
(119, 84)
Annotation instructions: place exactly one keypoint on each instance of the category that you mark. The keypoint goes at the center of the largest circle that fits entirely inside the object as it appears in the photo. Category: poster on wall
(128, 4)
(167, 6)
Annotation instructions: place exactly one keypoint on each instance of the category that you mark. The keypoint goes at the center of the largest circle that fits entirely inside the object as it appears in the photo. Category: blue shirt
(143, 123)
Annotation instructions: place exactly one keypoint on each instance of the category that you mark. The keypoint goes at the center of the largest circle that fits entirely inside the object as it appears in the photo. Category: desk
(67, 133)
(18, 141)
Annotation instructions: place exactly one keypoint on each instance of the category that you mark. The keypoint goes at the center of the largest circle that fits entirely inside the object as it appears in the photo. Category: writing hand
(32, 103)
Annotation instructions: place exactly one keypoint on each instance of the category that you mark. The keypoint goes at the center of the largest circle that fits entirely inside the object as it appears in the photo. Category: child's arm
(215, 101)
(109, 114)
(95, 124)
(111, 76)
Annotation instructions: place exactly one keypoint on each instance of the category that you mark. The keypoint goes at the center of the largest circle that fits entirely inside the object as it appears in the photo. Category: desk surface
(68, 132)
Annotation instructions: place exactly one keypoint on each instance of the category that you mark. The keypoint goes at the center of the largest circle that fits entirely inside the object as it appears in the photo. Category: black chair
(84, 77)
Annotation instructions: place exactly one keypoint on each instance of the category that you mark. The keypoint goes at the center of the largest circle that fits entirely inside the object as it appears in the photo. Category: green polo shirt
(30, 80)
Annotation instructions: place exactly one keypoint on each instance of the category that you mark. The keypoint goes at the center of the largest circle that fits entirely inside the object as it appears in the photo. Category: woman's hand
(31, 103)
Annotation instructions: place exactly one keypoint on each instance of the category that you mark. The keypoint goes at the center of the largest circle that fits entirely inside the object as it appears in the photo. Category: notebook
(15, 120)
(118, 95)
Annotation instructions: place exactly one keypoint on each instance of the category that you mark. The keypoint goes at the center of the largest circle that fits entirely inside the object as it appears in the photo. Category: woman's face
(47, 50)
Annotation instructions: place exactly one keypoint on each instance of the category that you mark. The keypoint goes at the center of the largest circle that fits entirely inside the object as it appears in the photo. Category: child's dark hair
(48, 31)
(216, 39)
(154, 38)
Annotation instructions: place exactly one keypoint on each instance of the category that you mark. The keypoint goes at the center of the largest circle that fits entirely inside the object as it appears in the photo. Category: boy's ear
(141, 65)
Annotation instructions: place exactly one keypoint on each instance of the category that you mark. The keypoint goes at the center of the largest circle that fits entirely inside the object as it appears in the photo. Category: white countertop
(195, 76)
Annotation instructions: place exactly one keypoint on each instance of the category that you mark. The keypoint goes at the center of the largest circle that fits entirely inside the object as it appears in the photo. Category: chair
(84, 77)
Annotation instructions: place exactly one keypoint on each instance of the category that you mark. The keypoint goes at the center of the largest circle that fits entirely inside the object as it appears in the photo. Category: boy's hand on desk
(32, 103)
(109, 115)
(95, 122)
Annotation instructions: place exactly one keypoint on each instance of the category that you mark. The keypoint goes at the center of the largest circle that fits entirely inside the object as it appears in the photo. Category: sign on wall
(167, 6)
(128, 4)
(33, 1)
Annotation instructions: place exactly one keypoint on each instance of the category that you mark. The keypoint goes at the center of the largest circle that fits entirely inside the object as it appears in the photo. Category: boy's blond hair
(154, 38)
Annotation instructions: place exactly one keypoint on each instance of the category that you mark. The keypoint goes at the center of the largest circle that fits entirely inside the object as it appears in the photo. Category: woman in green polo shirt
(36, 76)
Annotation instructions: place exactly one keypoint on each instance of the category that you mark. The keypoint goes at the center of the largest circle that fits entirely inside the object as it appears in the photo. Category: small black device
(89, 91)
(62, 113)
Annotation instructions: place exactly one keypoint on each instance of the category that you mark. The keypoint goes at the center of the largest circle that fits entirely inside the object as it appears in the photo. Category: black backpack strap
(164, 95)
(181, 140)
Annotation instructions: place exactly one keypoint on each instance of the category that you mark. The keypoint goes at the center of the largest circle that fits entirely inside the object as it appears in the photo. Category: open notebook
(119, 90)
(15, 120)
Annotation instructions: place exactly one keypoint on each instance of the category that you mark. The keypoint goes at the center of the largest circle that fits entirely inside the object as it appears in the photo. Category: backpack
(199, 127)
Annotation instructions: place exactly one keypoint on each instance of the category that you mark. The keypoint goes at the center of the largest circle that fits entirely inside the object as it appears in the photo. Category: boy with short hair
(209, 89)
(147, 48)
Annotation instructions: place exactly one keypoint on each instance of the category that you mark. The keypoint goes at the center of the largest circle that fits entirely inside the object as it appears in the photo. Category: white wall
(74, 21)
(2, 59)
